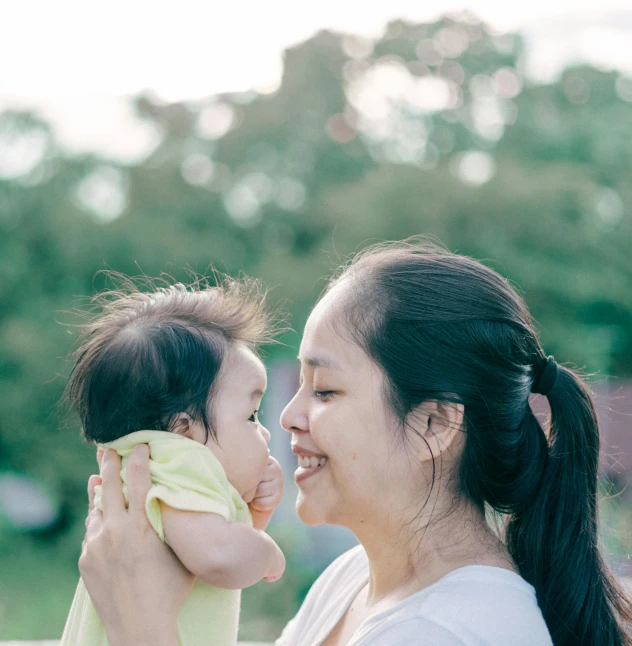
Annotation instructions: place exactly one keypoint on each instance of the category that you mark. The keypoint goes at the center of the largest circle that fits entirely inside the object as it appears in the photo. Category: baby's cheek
(252, 482)
(264, 456)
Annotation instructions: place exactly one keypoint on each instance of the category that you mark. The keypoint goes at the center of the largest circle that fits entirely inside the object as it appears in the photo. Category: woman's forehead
(322, 361)
(320, 338)
(328, 309)
(325, 343)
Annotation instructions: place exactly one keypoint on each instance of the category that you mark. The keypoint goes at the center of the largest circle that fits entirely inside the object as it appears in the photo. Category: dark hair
(151, 352)
(444, 327)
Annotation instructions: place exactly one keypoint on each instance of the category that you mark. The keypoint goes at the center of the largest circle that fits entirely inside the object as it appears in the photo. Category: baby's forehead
(243, 367)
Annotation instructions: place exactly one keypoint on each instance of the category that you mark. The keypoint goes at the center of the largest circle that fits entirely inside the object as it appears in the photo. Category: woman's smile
(309, 463)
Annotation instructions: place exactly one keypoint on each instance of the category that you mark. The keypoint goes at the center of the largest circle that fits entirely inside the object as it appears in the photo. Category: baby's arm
(224, 554)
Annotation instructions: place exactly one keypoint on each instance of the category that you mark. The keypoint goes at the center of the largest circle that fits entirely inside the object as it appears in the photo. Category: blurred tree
(432, 129)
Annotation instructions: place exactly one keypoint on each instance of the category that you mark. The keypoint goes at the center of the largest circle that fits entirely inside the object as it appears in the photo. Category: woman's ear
(439, 424)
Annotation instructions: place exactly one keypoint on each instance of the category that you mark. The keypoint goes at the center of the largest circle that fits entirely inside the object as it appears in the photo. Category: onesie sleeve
(190, 478)
(185, 475)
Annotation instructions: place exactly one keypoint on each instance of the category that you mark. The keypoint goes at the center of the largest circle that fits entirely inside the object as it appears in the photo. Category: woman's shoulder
(475, 604)
(478, 584)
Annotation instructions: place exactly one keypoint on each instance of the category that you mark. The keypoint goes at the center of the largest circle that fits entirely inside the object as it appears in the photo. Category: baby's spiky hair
(152, 347)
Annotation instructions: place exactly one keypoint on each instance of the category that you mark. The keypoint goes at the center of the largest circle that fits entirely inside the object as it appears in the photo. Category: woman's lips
(309, 463)
(302, 473)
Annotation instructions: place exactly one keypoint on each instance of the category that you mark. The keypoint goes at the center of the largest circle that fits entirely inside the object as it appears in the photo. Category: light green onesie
(186, 475)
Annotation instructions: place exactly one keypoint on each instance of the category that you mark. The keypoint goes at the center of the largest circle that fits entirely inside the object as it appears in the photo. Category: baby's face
(242, 446)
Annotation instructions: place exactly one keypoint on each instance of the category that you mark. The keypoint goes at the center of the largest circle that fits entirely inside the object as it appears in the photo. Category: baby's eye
(255, 416)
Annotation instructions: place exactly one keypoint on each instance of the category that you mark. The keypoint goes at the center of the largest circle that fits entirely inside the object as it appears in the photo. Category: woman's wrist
(157, 636)
(141, 627)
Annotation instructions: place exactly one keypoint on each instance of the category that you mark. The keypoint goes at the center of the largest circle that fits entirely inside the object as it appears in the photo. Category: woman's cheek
(318, 428)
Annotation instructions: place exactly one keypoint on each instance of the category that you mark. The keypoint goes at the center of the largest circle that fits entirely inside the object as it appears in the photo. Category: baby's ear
(182, 424)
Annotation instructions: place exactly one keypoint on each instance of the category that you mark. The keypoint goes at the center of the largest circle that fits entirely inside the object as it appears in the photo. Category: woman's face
(339, 416)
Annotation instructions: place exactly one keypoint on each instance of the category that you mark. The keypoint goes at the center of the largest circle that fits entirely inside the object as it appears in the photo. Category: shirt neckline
(456, 573)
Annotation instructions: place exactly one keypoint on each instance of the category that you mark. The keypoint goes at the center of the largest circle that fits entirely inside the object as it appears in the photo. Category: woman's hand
(268, 495)
(135, 581)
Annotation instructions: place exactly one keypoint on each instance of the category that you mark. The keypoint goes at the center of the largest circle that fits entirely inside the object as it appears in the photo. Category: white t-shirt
(476, 605)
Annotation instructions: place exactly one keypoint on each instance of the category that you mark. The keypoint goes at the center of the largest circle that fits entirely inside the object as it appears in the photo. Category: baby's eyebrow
(255, 394)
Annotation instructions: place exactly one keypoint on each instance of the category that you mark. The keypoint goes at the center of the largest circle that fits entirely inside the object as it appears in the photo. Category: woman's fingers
(138, 478)
(93, 481)
(112, 497)
(94, 521)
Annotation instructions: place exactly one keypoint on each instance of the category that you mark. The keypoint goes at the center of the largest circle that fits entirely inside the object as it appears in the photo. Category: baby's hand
(270, 490)
(268, 495)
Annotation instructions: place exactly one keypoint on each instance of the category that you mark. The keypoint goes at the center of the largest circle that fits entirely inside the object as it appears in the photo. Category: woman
(416, 370)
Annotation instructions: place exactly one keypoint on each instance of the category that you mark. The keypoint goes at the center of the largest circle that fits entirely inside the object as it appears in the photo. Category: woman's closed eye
(324, 395)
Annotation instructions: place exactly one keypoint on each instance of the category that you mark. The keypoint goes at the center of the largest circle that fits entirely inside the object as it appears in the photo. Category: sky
(75, 62)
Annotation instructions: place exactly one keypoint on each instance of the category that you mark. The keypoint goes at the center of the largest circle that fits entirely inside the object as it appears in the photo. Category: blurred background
(277, 138)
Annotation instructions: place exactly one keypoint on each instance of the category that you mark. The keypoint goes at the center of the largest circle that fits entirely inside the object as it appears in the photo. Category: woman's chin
(308, 512)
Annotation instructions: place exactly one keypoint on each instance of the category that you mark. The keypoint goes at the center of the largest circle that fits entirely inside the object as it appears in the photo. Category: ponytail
(554, 539)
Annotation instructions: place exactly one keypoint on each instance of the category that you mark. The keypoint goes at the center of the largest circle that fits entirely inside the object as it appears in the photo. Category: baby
(177, 369)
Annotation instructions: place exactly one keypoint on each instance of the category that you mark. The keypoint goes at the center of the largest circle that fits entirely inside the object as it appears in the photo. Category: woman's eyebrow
(321, 362)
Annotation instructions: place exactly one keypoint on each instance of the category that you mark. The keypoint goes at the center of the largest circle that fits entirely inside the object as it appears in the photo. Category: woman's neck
(405, 557)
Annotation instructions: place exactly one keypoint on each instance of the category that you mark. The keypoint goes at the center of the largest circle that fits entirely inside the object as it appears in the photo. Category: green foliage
(300, 179)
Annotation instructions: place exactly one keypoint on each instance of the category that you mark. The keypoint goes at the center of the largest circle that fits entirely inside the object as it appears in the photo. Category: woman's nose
(292, 418)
